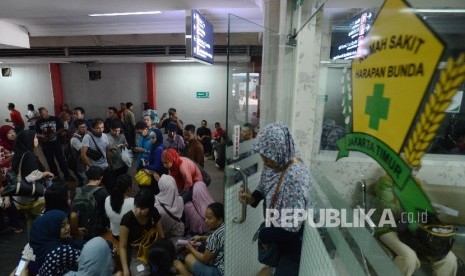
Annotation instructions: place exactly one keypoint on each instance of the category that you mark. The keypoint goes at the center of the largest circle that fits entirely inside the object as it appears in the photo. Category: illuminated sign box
(199, 38)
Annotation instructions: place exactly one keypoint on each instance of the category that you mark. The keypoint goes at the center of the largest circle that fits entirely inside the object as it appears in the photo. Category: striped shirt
(215, 243)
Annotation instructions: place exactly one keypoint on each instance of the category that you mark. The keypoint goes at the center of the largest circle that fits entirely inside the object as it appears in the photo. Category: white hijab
(169, 196)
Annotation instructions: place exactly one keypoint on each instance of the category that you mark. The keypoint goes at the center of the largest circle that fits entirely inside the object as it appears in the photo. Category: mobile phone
(21, 267)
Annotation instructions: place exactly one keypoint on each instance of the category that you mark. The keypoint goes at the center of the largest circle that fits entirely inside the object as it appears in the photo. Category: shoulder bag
(143, 244)
(270, 255)
(18, 186)
(169, 213)
(432, 240)
(94, 154)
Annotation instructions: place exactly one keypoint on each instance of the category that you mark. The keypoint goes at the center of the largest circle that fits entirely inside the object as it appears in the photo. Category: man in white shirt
(32, 116)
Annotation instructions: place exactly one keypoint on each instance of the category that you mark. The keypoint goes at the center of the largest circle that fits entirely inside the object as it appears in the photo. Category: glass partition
(333, 251)
(354, 250)
(441, 17)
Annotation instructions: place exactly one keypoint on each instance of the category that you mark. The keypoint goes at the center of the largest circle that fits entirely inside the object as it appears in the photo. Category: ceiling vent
(170, 50)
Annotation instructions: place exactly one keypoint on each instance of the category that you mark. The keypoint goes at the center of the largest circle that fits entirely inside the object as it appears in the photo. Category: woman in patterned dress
(276, 147)
(51, 243)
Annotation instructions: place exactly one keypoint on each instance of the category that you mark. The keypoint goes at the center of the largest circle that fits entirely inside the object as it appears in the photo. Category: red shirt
(16, 118)
(217, 133)
(120, 114)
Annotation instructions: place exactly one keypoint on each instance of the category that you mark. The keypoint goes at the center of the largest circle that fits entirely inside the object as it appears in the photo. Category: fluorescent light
(125, 13)
(440, 10)
(188, 36)
(182, 60)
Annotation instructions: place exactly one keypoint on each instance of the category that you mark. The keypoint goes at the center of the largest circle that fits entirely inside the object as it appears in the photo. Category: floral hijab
(276, 143)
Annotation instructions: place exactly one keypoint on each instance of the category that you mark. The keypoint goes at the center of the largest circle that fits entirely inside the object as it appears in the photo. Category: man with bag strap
(89, 205)
(97, 142)
(73, 156)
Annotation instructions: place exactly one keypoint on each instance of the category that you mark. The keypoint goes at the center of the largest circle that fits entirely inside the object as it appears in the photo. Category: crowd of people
(76, 232)
(100, 229)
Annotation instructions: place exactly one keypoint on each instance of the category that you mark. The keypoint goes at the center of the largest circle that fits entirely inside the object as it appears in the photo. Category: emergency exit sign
(203, 95)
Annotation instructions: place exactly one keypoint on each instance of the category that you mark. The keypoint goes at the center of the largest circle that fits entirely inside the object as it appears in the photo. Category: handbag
(18, 186)
(126, 156)
(94, 154)
(143, 179)
(270, 255)
(143, 244)
(432, 240)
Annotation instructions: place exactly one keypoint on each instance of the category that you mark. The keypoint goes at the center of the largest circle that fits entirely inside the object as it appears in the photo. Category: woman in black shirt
(134, 225)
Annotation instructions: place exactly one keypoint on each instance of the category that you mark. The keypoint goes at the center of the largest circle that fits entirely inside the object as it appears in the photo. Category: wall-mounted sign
(236, 141)
(348, 37)
(390, 81)
(202, 95)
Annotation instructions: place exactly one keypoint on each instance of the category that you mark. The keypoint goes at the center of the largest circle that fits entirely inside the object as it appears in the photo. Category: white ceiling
(70, 17)
(43, 19)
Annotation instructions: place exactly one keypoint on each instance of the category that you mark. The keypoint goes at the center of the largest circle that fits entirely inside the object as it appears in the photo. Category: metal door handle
(244, 205)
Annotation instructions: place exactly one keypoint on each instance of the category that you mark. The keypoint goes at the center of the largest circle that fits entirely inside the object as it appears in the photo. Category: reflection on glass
(345, 28)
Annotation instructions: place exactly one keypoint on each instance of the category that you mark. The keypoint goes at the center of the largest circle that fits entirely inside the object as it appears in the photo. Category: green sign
(203, 95)
(409, 193)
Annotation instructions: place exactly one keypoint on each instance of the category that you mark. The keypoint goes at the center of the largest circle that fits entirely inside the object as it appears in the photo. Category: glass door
(250, 84)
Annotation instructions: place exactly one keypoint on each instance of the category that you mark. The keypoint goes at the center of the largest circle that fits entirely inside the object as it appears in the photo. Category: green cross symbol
(377, 107)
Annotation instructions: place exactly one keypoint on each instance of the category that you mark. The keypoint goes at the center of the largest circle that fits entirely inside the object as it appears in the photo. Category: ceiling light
(182, 60)
(125, 13)
(440, 10)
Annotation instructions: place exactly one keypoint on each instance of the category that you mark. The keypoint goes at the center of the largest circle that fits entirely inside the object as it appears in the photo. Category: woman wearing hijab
(154, 160)
(155, 164)
(276, 147)
(95, 259)
(183, 170)
(170, 206)
(31, 170)
(51, 243)
(194, 211)
(7, 141)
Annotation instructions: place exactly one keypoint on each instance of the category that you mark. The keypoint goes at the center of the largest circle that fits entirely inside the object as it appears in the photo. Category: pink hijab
(195, 210)
(169, 197)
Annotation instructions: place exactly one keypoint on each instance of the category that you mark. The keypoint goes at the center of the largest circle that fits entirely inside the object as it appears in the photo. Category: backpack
(85, 205)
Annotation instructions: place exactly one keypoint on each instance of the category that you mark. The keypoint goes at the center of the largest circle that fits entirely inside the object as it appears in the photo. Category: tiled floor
(11, 245)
